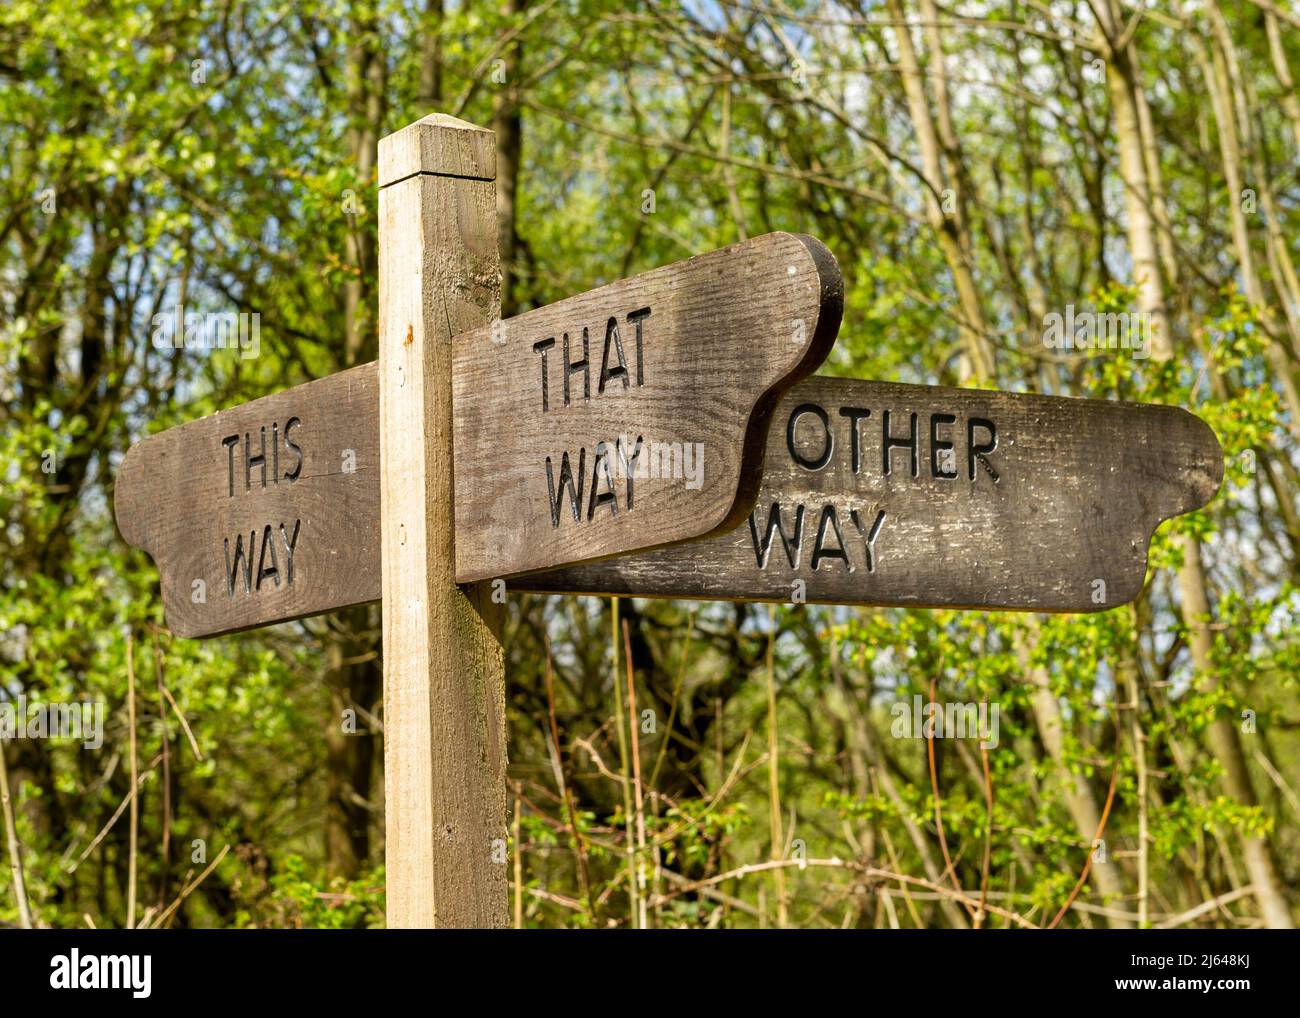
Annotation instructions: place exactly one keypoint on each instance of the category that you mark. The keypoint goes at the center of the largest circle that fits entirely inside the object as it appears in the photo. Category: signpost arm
(444, 682)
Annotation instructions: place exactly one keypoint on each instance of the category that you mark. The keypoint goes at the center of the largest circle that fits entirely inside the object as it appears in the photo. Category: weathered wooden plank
(883, 494)
(556, 407)
(264, 512)
(699, 377)
(444, 671)
(1081, 486)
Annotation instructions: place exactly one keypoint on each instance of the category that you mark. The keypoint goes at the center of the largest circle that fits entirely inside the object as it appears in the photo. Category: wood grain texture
(557, 408)
(264, 512)
(444, 678)
(440, 145)
(1007, 552)
(1080, 487)
(702, 388)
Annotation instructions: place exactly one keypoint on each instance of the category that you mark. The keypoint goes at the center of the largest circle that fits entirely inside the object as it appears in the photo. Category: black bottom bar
(1218, 969)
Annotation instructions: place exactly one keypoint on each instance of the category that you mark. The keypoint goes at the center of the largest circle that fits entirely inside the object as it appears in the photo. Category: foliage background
(973, 165)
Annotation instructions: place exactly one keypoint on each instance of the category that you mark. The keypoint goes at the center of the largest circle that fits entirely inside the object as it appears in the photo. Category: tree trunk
(431, 57)
(1234, 146)
(350, 742)
(1196, 608)
(1290, 100)
(948, 230)
(1078, 795)
(508, 125)
(351, 648)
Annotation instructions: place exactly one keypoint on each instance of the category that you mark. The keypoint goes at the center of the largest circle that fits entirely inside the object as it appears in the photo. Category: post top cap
(448, 121)
(441, 145)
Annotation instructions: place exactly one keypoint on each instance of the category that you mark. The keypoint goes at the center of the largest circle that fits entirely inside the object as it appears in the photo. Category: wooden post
(444, 681)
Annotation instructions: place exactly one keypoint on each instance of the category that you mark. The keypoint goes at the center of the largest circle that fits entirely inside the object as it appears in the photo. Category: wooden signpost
(566, 449)
(1010, 505)
(264, 512)
(443, 665)
(560, 412)
(883, 494)
(615, 442)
